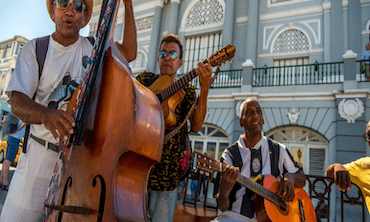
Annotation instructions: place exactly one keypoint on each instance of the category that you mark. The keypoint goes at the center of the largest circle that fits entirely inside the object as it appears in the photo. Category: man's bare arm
(31, 112)
(128, 47)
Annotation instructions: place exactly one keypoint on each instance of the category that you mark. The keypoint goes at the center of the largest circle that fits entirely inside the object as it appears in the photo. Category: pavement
(3, 193)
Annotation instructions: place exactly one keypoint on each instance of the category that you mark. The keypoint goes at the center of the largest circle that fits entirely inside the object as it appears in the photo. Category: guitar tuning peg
(230, 61)
(224, 63)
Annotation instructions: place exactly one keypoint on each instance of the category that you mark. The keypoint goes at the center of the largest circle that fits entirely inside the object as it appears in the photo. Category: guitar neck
(260, 190)
(181, 82)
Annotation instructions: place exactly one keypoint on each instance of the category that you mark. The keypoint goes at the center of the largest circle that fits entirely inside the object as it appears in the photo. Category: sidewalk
(4, 192)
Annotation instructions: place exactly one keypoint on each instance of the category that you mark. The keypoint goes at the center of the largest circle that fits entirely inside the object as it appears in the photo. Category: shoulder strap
(274, 157)
(42, 45)
(91, 39)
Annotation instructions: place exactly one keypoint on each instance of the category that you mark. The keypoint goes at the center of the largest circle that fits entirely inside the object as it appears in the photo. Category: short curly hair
(172, 38)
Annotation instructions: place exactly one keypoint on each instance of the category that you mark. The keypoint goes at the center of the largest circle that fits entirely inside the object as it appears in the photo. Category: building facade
(299, 58)
(9, 50)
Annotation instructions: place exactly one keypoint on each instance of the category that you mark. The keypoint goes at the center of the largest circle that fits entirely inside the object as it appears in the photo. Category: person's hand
(286, 188)
(228, 179)
(204, 72)
(59, 122)
(341, 178)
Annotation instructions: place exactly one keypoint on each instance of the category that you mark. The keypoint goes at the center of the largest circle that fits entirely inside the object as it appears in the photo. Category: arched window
(211, 140)
(205, 12)
(291, 40)
(307, 147)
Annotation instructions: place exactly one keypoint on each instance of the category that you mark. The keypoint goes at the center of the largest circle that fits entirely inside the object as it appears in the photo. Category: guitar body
(168, 105)
(300, 209)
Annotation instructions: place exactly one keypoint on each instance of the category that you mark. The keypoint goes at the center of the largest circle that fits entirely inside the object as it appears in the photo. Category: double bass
(102, 171)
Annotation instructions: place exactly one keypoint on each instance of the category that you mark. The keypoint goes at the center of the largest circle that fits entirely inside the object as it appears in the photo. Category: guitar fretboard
(174, 87)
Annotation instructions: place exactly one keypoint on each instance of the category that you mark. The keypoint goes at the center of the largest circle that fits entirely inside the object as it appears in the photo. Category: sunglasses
(76, 5)
(163, 54)
(366, 137)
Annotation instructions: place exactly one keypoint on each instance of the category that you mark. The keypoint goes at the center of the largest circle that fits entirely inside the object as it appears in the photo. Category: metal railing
(361, 74)
(317, 73)
(224, 79)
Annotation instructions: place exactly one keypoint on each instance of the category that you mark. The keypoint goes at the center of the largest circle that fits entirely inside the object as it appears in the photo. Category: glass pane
(210, 130)
(297, 153)
(222, 147)
(278, 136)
(298, 132)
(219, 134)
(203, 130)
(211, 149)
(288, 132)
(198, 146)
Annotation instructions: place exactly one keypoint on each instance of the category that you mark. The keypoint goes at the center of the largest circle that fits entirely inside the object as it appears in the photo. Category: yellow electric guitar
(170, 93)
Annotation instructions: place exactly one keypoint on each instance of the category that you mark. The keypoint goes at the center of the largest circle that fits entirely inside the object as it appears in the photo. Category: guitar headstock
(206, 163)
(221, 56)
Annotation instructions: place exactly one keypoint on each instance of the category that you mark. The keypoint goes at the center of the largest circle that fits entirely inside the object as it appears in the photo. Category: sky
(27, 18)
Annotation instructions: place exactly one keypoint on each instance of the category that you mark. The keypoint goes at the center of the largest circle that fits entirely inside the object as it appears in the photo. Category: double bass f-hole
(81, 210)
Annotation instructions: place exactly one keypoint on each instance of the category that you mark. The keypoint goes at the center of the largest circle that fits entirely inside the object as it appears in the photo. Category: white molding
(144, 31)
(202, 29)
(148, 5)
(359, 93)
(344, 3)
(317, 35)
(288, 28)
(243, 19)
(326, 6)
(144, 16)
(176, 1)
(350, 109)
(367, 32)
(265, 28)
(248, 63)
(349, 55)
(269, 5)
(367, 25)
(143, 39)
(190, 6)
(291, 13)
(300, 53)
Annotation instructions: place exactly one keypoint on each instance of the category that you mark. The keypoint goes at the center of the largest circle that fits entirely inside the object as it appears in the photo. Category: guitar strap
(42, 45)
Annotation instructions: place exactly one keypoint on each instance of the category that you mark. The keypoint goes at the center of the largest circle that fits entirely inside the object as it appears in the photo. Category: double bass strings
(54, 188)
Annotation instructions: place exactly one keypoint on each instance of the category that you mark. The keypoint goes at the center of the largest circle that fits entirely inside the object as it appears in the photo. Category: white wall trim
(291, 13)
(269, 5)
(265, 28)
(317, 34)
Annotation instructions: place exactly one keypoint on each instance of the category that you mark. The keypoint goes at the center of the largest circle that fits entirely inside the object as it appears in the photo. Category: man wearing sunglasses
(164, 177)
(66, 55)
(357, 171)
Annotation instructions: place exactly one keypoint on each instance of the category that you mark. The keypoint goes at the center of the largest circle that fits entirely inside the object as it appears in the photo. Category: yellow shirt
(359, 172)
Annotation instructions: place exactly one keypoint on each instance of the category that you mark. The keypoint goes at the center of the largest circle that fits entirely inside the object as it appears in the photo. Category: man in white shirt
(258, 156)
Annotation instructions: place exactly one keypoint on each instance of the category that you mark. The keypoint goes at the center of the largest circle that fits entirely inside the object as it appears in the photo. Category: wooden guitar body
(299, 210)
(108, 173)
(168, 105)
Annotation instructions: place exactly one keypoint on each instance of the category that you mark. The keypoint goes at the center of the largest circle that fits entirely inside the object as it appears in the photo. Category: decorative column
(336, 31)
(154, 40)
(349, 66)
(326, 6)
(354, 29)
(174, 12)
(252, 31)
(228, 28)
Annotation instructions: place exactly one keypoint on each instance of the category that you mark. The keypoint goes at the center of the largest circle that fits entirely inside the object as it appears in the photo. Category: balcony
(294, 75)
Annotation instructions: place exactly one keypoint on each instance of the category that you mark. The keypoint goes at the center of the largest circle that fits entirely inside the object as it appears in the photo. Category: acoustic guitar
(271, 207)
(170, 93)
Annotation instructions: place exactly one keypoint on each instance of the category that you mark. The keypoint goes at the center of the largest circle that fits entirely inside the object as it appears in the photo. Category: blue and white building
(299, 58)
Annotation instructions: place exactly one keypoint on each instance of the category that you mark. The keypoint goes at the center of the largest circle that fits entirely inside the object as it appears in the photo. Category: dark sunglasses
(76, 5)
(163, 54)
(366, 137)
